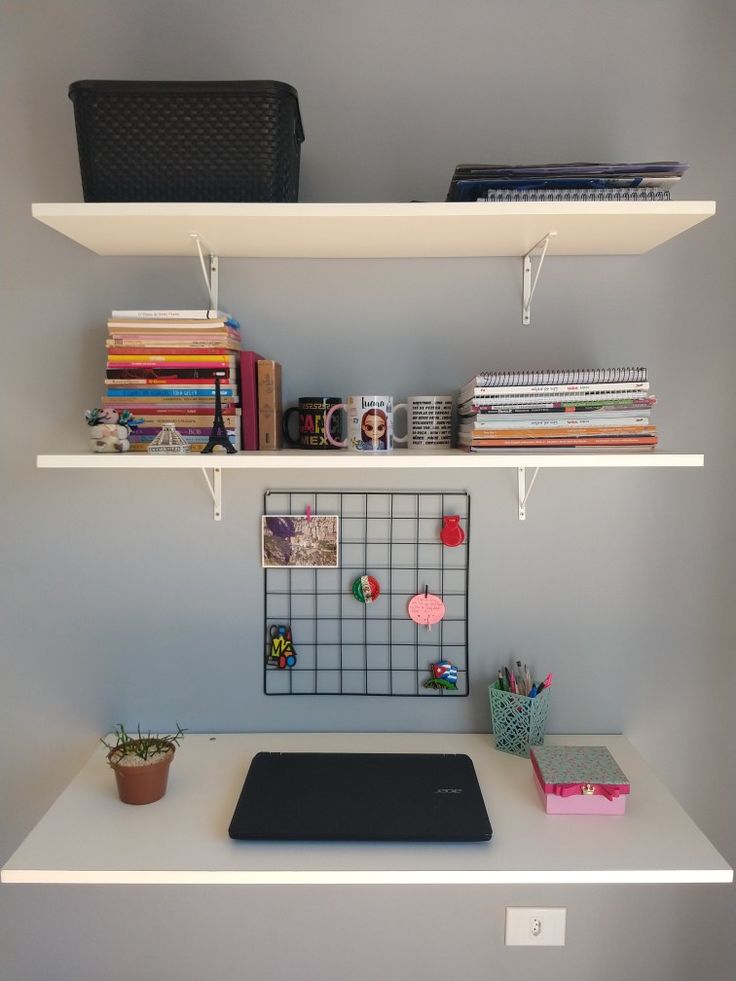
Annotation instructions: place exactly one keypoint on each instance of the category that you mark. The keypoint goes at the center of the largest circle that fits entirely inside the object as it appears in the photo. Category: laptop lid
(361, 797)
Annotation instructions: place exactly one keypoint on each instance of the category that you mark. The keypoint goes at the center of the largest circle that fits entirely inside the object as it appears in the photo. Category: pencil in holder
(518, 721)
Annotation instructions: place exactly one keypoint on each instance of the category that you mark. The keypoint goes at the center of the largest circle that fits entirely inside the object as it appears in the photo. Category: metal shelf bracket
(530, 282)
(215, 489)
(210, 268)
(525, 491)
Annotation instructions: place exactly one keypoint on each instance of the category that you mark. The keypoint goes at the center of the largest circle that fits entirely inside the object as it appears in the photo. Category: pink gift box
(565, 777)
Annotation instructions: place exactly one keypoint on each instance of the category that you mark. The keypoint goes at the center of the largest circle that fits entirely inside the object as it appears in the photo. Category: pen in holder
(518, 721)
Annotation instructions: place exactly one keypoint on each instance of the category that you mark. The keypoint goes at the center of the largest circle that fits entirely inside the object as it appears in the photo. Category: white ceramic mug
(429, 423)
(370, 423)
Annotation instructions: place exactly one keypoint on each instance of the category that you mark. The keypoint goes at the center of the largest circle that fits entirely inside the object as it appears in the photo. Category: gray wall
(123, 600)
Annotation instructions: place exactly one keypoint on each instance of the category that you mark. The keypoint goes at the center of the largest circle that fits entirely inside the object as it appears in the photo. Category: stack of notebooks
(566, 182)
(601, 407)
(161, 365)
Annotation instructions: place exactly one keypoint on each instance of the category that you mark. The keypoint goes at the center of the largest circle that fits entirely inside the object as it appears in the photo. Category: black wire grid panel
(345, 647)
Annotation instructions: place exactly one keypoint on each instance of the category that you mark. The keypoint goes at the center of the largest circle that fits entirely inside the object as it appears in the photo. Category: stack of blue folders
(566, 182)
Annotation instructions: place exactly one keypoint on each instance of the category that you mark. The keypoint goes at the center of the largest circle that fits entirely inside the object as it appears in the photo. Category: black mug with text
(312, 410)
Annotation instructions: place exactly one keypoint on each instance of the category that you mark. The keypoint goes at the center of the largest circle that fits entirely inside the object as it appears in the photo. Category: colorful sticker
(366, 589)
(444, 676)
(282, 654)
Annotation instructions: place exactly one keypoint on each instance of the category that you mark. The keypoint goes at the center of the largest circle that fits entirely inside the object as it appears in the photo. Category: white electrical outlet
(535, 926)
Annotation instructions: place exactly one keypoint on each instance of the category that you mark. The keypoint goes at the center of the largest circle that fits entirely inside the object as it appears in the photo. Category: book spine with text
(529, 403)
(147, 420)
(269, 405)
(195, 447)
(516, 392)
(482, 435)
(194, 436)
(142, 377)
(166, 355)
(122, 344)
(153, 405)
(170, 315)
(181, 331)
(154, 391)
(559, 421)
(561, 441)
(615, 406)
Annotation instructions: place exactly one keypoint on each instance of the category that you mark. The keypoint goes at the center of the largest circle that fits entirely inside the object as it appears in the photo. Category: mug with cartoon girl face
(370, 423)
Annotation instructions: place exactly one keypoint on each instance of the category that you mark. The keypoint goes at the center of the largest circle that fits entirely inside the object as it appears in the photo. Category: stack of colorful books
(161, 365)
(582, 407)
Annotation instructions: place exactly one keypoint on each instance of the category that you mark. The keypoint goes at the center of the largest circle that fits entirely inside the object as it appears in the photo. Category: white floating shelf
(212, 465)
(397, 460)
(374, 231)
(88, 836)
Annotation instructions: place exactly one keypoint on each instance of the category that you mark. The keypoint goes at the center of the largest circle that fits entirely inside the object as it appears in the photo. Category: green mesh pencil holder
(518, 721)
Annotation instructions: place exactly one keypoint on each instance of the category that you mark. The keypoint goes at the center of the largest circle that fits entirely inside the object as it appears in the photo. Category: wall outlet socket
(535, 926)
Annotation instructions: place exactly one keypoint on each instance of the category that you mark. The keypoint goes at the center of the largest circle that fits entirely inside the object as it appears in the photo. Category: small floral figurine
(109, 429)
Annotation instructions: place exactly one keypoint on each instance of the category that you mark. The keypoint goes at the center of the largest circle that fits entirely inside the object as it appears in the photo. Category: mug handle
(285, 425)
(328, 434)
(405, 407)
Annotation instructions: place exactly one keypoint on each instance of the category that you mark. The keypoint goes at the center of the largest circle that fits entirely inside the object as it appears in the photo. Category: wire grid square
(344, 647)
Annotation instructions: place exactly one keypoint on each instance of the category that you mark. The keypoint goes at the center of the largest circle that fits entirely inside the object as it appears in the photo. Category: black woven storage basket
(188, 141)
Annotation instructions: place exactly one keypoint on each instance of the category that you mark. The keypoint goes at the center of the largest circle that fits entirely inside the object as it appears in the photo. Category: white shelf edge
(397, 460)
(364, 230)
(363, 877)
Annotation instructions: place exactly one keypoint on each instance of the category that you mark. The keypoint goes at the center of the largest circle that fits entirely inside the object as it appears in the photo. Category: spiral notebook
(591, 194)
(567, 376)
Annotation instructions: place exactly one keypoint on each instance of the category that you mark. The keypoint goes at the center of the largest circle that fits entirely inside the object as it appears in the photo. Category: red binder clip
(452, 534)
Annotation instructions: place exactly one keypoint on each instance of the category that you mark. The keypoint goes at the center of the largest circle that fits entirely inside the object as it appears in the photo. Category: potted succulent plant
(141, 763)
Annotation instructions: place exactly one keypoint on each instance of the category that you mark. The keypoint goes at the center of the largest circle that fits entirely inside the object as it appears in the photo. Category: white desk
(88, 836)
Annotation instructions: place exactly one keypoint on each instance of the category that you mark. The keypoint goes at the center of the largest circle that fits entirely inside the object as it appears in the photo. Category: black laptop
(361, 797)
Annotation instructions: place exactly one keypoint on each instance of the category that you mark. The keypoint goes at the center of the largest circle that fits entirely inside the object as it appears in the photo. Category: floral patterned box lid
(565, 769)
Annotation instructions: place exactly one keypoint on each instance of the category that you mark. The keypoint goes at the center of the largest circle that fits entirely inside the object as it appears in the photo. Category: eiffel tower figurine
(218, 436)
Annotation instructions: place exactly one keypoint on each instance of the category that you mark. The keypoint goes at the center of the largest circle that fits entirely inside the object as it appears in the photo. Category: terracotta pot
(142, 784)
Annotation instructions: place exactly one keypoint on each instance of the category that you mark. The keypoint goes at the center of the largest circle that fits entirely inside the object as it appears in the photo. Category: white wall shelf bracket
(525, 491)
(215, 489)
(537, 251)
(210, 268)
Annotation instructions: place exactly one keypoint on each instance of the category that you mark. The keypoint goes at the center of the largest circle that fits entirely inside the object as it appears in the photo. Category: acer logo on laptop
(449, 790)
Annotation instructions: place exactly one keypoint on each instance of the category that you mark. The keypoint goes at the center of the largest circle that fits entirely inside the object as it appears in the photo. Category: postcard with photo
(291, 541)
